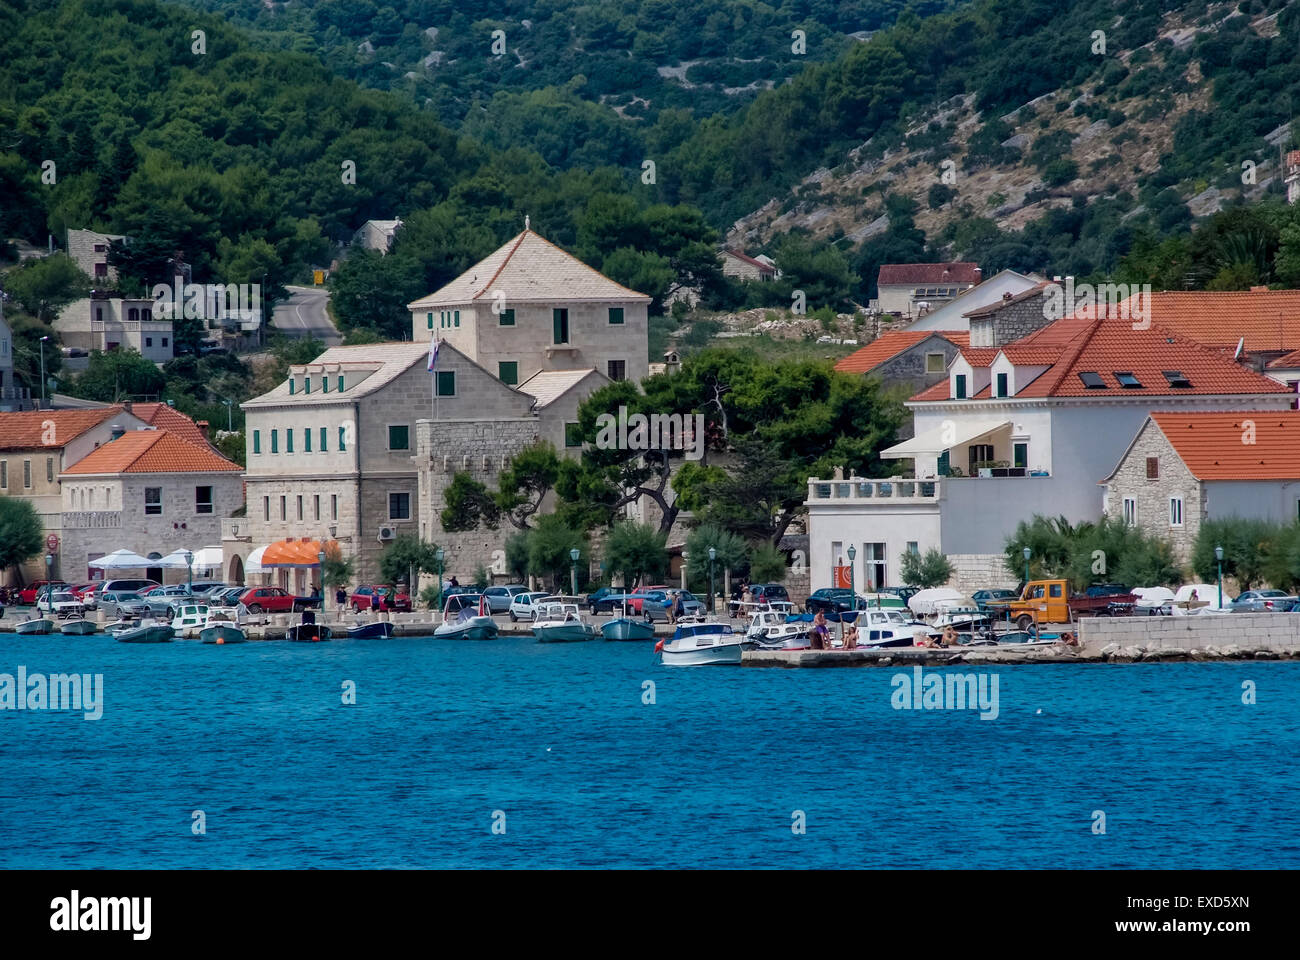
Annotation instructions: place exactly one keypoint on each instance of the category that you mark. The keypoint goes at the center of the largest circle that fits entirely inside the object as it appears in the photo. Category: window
(1175, 511)
(325, 384)
(873, 560)
(429, 317)
(1177, 380)
(913, 547)
(399, 506)
(27, 474)
(306, 439)
(288, 440)
(1003, 387)
(334, 506)
(133, 315)
(315, 505)
(164, 341)
(323, 435)
(291, 386)
(266, 508)
(1153, 468)
(508, 371)
(152, 501)
(1092, 380)
(1130, 511)
(560, 325)
(4, 474)
(1020, 455)
(101, 269)
(1128, 381)
(399, 437)
(446, 383)
(49, 469)
(458, 318)
(340, 384)
(507, 318)
(979, 453)
(257, 441)
(617, 369)
(572, 435)
(1054, 590)
(961, 386)
(275, 441)
(202, 499)
(284, 508)
(343, 439)
(300, 506)
(148, 341)
(934, 363)
(615, 314)
(306, 384)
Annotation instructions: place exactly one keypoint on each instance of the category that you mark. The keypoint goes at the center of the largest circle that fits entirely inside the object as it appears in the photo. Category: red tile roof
(1112, 345)
(170, 419)
(1289, 362)
(957, 272)
(890, 344)
(1213, 444)
(1268, 319)
(28, 429)
(152, 451)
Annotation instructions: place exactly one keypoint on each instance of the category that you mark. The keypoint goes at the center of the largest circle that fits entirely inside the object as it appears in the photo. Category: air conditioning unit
(387, 533)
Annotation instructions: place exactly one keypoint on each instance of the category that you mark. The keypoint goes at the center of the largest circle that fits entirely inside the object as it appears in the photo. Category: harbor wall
(1254, 631)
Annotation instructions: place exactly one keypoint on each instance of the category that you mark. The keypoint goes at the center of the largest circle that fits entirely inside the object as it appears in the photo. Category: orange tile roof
(1268, 319)
(167, 418)
(890, 344)
(1212, 445)
(929, 273)
(1109, 345)
(1289, 362)
(28, 429)
(151, 451)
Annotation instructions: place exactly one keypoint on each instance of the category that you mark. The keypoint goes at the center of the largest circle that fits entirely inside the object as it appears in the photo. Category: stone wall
(1256, 631)
(1152, 496)
(1009, 322)
(978, 571)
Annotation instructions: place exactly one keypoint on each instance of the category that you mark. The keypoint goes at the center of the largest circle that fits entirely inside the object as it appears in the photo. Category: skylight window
(1176, 379)
(1092, 380)
(1128, 381)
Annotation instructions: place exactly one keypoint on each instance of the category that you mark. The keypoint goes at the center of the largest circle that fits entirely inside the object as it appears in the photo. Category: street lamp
(43, 339)
(189, 565)
(49, 577)
(1027, 553)
(1218, 555)
(573, 571)
(853, 596)
(713, 597)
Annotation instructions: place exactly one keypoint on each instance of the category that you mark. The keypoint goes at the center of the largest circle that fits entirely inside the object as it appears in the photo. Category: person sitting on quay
(949, 638)
(851, 637)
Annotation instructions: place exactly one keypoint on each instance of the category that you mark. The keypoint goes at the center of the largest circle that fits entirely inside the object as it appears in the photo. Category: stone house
(912, 289)
(530, 306)
(377, 234)
(1010, 318)
(90, 252)
(148, 491)
(1182, 469)
(915, 359)
(953, 314)
(109, 323)
(740, 266)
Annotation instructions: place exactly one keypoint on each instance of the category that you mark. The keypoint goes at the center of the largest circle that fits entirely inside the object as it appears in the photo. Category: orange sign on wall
(843, 577)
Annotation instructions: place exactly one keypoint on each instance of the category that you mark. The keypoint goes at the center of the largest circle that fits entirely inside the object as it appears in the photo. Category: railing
(91, 519)
(236, 528)
(865, 491)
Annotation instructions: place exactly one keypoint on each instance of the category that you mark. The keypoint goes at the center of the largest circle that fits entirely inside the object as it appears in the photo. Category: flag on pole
(434, 346)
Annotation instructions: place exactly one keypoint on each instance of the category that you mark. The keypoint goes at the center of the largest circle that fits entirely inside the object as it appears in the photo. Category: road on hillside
(303, 315)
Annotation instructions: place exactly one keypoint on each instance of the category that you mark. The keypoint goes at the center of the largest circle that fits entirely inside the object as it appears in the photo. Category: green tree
(926, 570)
(766, 563)
(469, 505)
(22, 535)
(408, 552)
(117, 375)
(517, 553)
(46, 284)
(338, 570)
(549, 544)
(372, 290)
(524, 483)
(638, 551)
(732, 553)
(231, 446)
(1247, 545)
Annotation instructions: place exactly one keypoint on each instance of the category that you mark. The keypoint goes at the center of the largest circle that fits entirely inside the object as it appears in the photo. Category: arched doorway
(236, 571)
(154, 573)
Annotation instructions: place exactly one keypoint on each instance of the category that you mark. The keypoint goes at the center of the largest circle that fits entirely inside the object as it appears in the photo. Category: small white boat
(148, 631)
(701, 644)
(78, 627)
(221, 627)
(562, 623)
(190, 619)
(466, 617)
(768, 630)
(39, 626)
(887, 628)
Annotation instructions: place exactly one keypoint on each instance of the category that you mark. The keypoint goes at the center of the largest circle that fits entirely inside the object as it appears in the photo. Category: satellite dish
(1241, 344)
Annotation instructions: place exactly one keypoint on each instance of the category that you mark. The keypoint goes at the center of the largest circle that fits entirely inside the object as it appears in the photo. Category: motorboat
(467, 616)
(39, 626)
(1197, 599)
(189, 619)
(222, 627)
(885, 627)
(78, 626)
(379, 630)
(771, 630)
(700, 644)
(562, 623)
(961, 619)
(625, 628)
(148, 631)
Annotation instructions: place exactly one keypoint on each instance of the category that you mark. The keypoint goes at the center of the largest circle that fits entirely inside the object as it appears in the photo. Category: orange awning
(300, 553)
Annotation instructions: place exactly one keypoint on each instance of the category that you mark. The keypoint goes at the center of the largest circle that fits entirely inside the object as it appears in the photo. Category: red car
(27, 595)
(637, 597)
(275, 600)
(366, 598)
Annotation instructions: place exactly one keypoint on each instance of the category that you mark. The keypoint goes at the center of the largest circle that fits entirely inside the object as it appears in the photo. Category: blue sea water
(558, 738)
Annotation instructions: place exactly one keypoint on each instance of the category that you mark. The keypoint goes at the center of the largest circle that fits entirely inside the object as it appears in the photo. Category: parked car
(276, 600)
(1265, 601)
(122, 605)
(833, 600)
(65, 605)
(768, 592)
(228, 597)
(85, 592)
(992, 599)
(524, 605)
(367, 598)
(606, 600)
(129, 584)
(27, 595)
(636, 598)
(499, 597)
(903, 593)
(204, 588)
(654, 608)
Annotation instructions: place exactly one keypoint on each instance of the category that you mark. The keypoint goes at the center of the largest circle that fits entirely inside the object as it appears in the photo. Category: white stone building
(914, 289)
(110, 323)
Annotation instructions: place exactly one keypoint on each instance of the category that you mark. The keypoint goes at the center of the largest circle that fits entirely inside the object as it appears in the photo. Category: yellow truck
(1050, 601)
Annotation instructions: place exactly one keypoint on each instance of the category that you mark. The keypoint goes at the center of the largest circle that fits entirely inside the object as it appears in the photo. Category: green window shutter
(447, 383)
(458, 318)
(340, 383)
(1002, 384)
(288, 441)
(508, 371)
(306, 384)
(399, 437)
(291, 386)
(323, 435)
(343, 439)
(324, 383)
(961, 386)
(275, 441)
(257, 441)
(508, 318)
(430, 319)
(306, 440)
(572, 435)
(615, 314)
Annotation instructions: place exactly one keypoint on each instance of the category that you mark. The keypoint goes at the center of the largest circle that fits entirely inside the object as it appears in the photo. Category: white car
(524, 605)
(66, 605)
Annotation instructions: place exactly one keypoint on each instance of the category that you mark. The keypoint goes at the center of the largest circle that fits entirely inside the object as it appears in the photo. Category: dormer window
(1003, 386)
(960, 391)
(934, 363)
(291, 386)
(1177, 380)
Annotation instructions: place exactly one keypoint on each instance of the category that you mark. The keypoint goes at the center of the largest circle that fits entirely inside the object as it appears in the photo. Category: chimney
(1259, 289)
(118, 431)
(1007, 295)
(203, 428)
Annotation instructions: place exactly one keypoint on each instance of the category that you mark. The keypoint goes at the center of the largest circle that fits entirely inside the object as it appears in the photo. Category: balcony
(92, 519)
(236, 528)
(860, 490)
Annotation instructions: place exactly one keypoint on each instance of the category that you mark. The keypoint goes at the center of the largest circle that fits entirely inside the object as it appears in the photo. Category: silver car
(1264, 601)
(123, 605)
